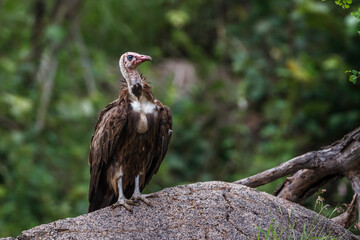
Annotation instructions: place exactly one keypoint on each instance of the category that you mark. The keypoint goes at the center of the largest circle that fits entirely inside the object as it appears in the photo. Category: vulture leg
(137, 194)
(122, 201)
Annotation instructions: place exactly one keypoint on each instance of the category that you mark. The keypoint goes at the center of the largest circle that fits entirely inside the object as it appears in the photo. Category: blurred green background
(250, 83)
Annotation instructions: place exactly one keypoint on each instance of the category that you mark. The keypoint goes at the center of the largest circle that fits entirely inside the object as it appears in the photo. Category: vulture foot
(142, 197)
(123, 202)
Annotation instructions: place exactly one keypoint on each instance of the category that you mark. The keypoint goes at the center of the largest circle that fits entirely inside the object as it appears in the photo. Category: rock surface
(209, 210)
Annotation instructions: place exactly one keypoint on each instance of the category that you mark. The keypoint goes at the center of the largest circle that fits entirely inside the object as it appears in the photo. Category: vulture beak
(142, 58)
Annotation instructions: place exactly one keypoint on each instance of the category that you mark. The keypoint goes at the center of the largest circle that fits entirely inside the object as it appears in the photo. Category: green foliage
(356, 14)
(354, 75)
(345, 4)
(277, 232)
(311, 230)
(267, 88)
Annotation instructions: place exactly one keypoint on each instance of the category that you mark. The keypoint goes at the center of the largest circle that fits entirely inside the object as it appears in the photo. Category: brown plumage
(130, 141)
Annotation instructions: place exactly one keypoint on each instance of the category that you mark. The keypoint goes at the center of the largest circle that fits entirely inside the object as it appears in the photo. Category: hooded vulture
(130, 141)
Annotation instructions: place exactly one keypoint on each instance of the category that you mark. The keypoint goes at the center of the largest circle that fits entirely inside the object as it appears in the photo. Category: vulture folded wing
(103, 143)
(162, 142)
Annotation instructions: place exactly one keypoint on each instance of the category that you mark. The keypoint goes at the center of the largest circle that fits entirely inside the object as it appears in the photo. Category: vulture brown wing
(162, 142)
(103, 143)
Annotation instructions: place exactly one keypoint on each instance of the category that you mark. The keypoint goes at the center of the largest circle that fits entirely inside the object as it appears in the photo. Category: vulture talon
(124, 203)
(151, 195)
(142, 197)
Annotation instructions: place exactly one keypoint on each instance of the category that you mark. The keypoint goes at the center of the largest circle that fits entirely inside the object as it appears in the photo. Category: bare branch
(312, 170)
(46, 76)
(84, 57)
(337, 159)
(303, 184)
(354, 178)
(289, 167)
(62, 11)
(347, 218)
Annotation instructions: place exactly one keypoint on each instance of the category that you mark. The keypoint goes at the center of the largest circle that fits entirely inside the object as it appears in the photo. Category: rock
(209, 210)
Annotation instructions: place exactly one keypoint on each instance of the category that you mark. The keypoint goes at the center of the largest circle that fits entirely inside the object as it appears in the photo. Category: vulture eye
(130, 57)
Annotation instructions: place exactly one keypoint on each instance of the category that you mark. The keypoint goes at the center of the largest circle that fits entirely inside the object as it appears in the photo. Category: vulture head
(128, 63)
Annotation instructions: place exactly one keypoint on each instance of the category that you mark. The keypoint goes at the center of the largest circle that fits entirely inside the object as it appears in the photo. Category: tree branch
(284, 169)
(62, 12)
(349, 216)
(337, 159)
(314, 169)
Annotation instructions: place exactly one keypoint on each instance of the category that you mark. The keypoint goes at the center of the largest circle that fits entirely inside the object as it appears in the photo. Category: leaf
(353, 79)
(55, 32)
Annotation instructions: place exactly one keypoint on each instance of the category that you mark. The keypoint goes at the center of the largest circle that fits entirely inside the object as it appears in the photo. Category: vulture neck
(132, 77)
(137, 89)
(133, 80)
